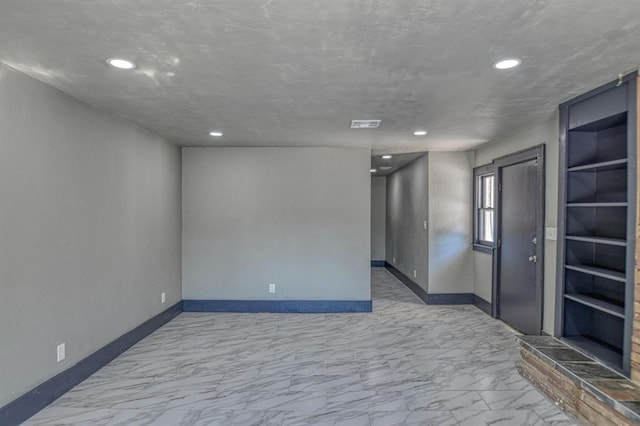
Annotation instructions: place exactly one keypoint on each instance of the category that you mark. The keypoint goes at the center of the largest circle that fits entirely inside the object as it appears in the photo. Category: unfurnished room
(355, 213)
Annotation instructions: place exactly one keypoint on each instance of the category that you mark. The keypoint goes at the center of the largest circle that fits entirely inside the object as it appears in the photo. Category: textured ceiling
(294, 73)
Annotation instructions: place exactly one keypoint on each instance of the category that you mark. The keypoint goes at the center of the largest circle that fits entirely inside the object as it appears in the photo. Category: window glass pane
(484, 208)
(487, 191)
(486, 225)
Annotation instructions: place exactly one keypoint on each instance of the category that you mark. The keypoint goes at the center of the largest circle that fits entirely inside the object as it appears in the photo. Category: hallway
(403, 364)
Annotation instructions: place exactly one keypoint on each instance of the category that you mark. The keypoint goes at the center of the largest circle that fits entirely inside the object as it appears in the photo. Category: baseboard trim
(278, 306)
(377, 263)
(482, 304)
(431, 298)
(414, 287)
(44, 394)
(450, 299)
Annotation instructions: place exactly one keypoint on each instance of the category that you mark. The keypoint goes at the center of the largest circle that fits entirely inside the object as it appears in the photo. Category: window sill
(483, 248)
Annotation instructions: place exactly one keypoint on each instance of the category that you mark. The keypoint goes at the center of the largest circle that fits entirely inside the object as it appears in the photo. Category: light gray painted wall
(407, 241)
(89, 230)
(544, 133)
(450, 222)
(296, 217)
(378, 217)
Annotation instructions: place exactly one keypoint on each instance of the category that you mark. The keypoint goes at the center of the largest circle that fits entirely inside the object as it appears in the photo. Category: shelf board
(602, 166)
(599, 240)
(597, 204)
(599, 272)
(601, 305)
(604, 352)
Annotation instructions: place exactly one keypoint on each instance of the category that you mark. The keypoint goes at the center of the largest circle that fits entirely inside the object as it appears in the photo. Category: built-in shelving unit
(596, 232)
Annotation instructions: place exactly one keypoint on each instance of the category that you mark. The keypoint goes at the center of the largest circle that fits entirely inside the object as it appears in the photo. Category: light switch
(551, 234)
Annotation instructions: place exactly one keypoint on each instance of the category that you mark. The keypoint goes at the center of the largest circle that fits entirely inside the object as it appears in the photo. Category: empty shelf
(601, 305)
(602, 166)
(624, 204)
(607, 353)
(599, 240)
(599, 272)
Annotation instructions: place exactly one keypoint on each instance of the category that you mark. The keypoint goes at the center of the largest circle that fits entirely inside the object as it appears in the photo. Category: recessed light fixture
(387, 156)
(506, 64)
(215, 133)
(420, 132)
(386, 168)
(373, 170)
(123, 64)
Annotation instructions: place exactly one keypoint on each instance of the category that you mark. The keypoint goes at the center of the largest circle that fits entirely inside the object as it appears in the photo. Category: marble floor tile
(498, 418)
(239, 418)
(513, 400)
(552, 416)
(445, 400)
(330, 418)
(54, 416)
(287, 401)
(413, 418)
(403, 364)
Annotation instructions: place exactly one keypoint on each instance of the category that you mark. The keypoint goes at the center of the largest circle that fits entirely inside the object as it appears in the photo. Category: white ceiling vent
(365, 124)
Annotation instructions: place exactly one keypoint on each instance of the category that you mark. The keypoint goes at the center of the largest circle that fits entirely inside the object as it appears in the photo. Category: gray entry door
(519, 282)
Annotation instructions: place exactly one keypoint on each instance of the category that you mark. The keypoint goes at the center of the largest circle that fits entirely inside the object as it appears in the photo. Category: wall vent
(365, 124)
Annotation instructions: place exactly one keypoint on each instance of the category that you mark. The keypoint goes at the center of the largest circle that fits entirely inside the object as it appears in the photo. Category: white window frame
(479, 206)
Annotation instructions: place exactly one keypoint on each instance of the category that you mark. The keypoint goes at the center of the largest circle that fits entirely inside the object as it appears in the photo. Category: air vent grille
(365, 124)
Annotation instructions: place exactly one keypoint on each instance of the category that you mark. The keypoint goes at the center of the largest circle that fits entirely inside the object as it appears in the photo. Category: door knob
(533, 259)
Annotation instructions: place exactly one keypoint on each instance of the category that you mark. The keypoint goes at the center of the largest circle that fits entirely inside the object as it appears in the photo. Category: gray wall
(296, 217)
(545, 133)
(378, 217)
(407, 241)
(450, 222)
(89, 230)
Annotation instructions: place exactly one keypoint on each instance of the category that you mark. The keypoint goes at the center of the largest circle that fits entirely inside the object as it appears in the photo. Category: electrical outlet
(272, 288)
(425, 224)
(163, 297)
(61, 352)
(394, 260)
(415, 273)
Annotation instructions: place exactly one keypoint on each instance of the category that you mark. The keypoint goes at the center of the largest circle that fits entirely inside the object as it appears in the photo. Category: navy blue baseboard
(482, 304)
(431, 298)
(277, 306)
(414, 287)
(450, 299)
(377, 263)
(44, 394)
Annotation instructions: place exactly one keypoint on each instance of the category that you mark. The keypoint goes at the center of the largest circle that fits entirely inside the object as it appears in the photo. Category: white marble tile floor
(404, 364)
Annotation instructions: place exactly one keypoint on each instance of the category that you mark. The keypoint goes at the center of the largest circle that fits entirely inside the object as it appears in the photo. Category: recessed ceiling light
(120, 63)
(373, 170)
(215, 133)
(386, 168)
(387, 156)
(420, 132)
(505, 64)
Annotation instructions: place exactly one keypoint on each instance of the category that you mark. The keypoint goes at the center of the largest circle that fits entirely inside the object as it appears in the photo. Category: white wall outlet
(425, 224)
(163, 297)
(394, 260)
(61, 352)
(551, 234)
(415, 273)
(272, 288)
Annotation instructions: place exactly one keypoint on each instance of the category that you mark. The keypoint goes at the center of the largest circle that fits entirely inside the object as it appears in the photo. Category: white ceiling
(294, 73)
